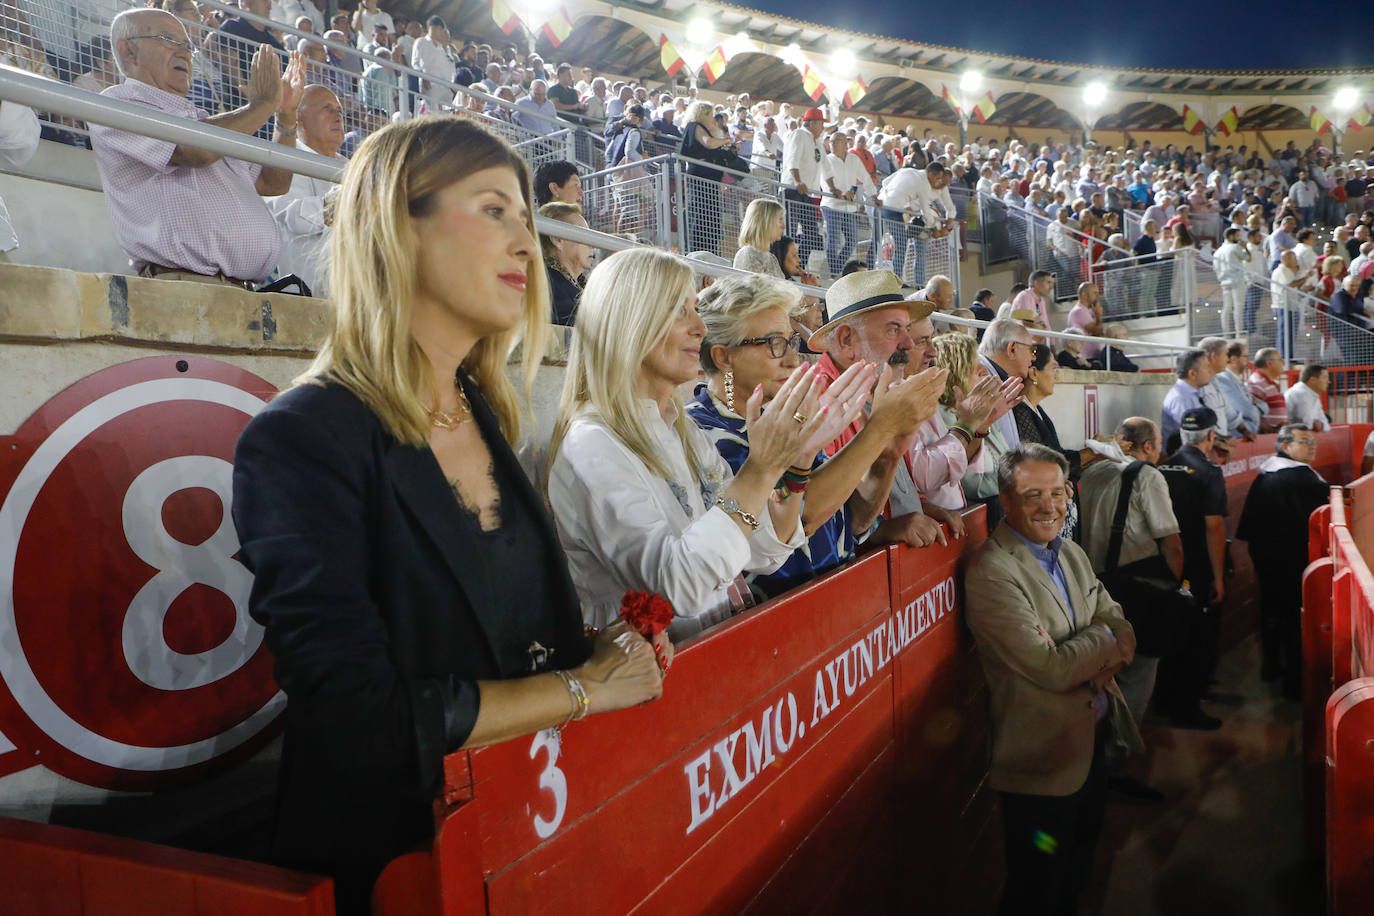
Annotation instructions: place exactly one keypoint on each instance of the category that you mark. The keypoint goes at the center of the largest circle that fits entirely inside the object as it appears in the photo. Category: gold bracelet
(581, 703)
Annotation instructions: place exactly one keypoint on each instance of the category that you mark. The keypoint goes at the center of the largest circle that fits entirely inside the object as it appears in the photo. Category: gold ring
(799, 417)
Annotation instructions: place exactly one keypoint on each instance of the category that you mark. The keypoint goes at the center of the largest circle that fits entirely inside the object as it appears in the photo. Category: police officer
(1198, 492)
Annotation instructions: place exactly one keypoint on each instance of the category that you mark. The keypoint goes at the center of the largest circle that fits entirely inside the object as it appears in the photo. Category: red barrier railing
(1338, 700)
(825, 751)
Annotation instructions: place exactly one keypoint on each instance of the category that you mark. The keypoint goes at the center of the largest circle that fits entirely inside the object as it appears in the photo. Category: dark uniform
(1274, 522)
(1197, 490)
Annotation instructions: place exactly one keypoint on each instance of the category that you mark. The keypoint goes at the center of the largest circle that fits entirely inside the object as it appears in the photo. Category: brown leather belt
(154, 270)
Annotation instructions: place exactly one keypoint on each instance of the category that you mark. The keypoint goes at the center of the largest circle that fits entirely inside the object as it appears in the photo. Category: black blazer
(380, 615)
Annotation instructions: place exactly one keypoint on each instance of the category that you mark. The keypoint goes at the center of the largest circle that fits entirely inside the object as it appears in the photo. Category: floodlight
(700, 31)
(1094, 94)
(843, 62)
(971, 81)
(1346, 99)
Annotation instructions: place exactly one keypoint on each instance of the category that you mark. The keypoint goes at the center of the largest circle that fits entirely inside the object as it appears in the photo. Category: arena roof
(904, 77)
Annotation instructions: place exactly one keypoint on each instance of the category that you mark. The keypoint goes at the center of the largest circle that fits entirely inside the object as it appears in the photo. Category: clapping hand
(265, 78)
(844, 400)
(1011, 396)
(793, 420)
(292, 85)
(902, 406)
(974, 409)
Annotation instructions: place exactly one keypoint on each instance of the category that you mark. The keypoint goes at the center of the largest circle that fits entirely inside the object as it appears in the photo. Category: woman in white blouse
(641, 497)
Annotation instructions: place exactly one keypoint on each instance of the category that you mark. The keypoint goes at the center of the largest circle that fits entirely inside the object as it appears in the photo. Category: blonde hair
(394, 179)
(959, 354)
(627, 309)
(703, 113)
(727, 304)
(759, 223)
(556, 209)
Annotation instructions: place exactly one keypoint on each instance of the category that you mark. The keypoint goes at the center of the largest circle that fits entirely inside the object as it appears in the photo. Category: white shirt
(623, 527)
(291, 10)
(848, 175)
(909, 189)
(803, 152)
(1061, 240)
(767, 150)
(1229, 263)
(19, 129)
(1305, 406)
(305, 237)
(431, 59)
(368, 20)
(205, 220)
(1281, 292)
(1304, 193)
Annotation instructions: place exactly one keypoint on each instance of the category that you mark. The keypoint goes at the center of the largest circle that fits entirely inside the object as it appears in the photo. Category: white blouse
(623, 527)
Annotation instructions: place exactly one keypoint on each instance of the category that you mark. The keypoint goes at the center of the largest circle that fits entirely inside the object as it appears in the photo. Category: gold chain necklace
(452, 419)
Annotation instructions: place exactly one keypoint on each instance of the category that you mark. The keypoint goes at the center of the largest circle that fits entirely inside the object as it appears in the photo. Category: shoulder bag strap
(1123, 504)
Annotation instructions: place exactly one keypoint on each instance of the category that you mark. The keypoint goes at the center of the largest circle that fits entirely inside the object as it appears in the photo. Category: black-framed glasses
(168, 39)
(776, 343)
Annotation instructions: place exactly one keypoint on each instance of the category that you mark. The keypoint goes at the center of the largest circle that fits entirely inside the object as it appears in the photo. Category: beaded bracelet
(961, 432)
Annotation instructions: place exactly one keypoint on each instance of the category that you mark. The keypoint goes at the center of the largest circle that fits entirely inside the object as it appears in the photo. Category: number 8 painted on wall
(552, 779)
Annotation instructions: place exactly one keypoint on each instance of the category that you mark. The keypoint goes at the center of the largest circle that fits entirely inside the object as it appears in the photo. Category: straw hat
(863, 291)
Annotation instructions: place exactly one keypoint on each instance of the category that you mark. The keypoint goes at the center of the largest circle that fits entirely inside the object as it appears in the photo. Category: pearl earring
(730, 389)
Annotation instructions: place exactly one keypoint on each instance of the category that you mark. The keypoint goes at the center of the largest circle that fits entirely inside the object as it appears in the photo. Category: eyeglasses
(776, 343)
(168, 39)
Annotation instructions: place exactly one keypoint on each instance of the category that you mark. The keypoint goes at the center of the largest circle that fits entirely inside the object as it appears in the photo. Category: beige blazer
(1038, 656)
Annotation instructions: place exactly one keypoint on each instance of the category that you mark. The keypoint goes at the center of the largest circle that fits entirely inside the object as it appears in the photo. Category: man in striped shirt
(1264, 385)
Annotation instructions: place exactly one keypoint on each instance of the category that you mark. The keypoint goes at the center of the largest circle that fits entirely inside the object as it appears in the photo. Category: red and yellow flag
(504, 16)
(1192, 122)
(949, 100)
(811, 84)
(715, 64)
(1229, 122)
(857, 90)
(1320, 122)
(667, 56)
(1360, 118)
(558, 27)
(984, 109)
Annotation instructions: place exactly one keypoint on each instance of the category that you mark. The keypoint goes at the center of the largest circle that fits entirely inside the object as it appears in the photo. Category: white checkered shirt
(205, 220)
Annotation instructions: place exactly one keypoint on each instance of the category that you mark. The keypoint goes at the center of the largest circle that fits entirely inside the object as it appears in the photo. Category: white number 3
(552, 779)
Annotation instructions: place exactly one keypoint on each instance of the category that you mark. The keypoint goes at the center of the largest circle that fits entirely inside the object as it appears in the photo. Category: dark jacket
(565, 296)
(381, 618)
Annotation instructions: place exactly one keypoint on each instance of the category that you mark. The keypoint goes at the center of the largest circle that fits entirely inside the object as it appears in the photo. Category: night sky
(1211, 34)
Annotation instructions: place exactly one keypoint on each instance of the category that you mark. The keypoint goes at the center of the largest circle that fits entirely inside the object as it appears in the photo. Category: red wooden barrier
(1350, 798)
(822, 751)
(1316, 688)
(47, 870)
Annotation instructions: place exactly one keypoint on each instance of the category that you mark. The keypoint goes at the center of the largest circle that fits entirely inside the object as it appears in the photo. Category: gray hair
(934, 283)
(1210, 345)
(1137, 431)
(1014, 458)
(1188, 361)
(1195, 436)
(727, 304)
(1002, 333)
(1286, 435)
(125, 25)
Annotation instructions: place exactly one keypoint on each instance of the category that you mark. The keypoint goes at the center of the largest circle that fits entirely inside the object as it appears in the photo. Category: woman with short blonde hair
(763, 224)
(641, 499)
(391, 533)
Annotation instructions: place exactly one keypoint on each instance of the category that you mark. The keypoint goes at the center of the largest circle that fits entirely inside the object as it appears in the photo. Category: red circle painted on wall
(127, 657)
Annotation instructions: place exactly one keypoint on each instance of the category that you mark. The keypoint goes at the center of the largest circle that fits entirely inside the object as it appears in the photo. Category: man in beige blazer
(1050, 639)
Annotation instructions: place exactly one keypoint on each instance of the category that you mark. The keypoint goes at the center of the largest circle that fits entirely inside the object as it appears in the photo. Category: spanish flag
(505, 18)
(857, 90)
(1360, 118)
(1320, 123)
(667, 56)
(811, 84)
(949, 100)
(1229, 122)
(984, 109)
(715, 64)
(1191, 122)
(558, 27)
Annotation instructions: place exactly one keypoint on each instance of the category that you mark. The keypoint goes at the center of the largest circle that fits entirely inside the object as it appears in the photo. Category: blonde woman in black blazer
(410, 581)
